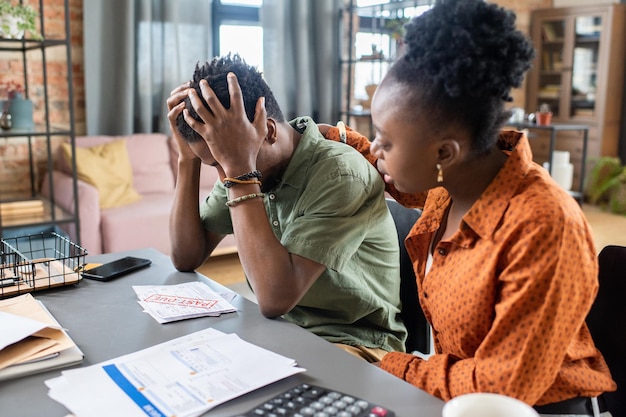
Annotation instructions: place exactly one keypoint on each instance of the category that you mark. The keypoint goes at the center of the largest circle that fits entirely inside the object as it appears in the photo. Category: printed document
(167, 303)
(183, 377)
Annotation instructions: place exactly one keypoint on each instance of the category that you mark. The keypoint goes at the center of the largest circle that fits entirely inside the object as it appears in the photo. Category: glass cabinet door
(551, 64)
(585, 65)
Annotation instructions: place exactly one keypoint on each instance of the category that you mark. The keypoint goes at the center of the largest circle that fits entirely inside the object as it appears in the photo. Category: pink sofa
(145, 223)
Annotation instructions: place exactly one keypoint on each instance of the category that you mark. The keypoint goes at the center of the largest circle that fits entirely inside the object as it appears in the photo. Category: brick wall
(15, 179)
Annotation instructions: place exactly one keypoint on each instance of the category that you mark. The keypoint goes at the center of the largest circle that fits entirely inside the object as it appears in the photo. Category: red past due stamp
(181, 301)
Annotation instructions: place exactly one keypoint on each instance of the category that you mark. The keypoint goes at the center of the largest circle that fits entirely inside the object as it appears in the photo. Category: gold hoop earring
(439, 173)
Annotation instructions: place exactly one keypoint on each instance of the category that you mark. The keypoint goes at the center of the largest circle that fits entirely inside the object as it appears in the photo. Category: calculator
(307, 400)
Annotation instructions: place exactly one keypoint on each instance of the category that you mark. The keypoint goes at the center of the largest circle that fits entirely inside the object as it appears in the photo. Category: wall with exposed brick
(15, 171)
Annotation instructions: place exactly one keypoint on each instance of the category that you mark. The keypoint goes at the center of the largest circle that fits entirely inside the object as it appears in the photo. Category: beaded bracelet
(229, 182)
(232, 202)
(249, 176)
(343, 136)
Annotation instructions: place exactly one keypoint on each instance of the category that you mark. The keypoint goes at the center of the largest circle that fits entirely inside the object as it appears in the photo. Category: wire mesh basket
(37, 262)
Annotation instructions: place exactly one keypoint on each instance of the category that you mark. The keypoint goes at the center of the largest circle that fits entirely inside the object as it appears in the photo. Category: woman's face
(405, 142)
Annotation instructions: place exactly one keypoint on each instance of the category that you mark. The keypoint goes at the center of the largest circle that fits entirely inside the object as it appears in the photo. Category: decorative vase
(5, 120)
(562, 169)
(370, 89)
(543, 118)
(21, 110)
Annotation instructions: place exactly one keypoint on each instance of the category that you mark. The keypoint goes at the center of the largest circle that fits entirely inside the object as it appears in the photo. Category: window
(377, 39)
(237, 29)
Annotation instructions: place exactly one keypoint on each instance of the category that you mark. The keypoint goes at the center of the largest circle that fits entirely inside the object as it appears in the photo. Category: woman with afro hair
(504, 258)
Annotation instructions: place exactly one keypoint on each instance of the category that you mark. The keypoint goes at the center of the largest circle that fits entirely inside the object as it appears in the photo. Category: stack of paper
(167, 303)
(183, 377)
(31, 340)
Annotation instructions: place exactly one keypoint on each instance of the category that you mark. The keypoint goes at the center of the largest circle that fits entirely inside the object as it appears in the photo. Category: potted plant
(17, 19)
(544, 115)
(396, 28)
(606, 184)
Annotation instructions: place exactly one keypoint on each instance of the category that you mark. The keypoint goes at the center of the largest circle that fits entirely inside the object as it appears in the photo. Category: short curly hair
(461, 60)
(253, 86)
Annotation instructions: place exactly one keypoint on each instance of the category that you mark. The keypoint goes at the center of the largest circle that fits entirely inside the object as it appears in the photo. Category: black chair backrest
(607, 322)
(412, 314)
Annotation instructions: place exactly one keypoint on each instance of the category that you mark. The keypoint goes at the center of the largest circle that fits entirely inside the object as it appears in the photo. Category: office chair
(607, 322)
(418, 328)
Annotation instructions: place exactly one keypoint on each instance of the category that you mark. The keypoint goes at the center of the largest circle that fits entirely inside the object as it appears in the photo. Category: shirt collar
(296, 172)
(486, 213)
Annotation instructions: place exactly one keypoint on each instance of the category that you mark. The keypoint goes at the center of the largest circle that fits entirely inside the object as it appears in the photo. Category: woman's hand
(232, 139)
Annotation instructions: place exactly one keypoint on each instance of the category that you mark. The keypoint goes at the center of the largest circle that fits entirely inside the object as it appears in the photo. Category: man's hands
(175, 105)
(232, 139)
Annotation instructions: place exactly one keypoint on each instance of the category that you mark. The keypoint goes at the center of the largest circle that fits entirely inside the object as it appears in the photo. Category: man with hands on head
(314, 235)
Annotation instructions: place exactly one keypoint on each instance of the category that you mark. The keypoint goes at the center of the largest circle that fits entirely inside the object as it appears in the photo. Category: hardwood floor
(225, 269)
(607, 228)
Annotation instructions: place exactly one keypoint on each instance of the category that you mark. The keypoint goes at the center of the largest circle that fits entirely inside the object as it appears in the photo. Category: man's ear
(272, 132)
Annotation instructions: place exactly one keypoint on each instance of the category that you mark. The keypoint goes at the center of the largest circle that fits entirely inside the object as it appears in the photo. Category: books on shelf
(548, 32)
(551, 60)
(584, 112)
(25, 208)
(550, 91)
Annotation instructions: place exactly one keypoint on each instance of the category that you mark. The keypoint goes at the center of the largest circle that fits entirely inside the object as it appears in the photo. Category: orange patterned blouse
(508, 294)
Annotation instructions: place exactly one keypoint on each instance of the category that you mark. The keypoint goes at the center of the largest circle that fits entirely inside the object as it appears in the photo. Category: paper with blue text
(183, 377)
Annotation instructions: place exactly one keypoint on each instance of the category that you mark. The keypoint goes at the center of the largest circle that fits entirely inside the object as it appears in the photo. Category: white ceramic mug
(487, 405)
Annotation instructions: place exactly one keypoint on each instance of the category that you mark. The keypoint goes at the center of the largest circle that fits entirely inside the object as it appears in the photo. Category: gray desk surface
(106, 321)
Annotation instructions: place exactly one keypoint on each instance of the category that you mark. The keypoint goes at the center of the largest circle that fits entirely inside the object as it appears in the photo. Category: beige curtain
(301, 56)
(135, 53)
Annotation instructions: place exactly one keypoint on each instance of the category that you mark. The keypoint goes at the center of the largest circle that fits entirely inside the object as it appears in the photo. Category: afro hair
(253, 86)
(461, 59)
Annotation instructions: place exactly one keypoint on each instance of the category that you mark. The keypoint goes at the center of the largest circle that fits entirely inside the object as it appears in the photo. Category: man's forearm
(188, 238)
(278, 278)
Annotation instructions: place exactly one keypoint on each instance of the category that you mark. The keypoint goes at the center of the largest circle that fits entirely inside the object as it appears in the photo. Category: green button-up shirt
(329, 207)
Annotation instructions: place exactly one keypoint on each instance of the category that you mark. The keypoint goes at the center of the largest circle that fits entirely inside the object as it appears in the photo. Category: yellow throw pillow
(107, 168)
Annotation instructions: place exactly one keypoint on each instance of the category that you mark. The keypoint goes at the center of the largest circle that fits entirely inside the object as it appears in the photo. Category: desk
(105, 321)
(553, 129)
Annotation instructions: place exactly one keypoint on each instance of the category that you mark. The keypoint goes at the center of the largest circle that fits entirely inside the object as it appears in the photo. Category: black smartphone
(116, 268)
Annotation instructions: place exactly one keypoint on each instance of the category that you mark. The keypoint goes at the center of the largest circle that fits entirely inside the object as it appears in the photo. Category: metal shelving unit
(51, 215)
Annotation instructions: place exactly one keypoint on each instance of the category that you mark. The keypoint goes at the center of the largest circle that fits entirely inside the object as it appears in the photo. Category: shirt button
(272, 196)
(275, 223)
(442, 251)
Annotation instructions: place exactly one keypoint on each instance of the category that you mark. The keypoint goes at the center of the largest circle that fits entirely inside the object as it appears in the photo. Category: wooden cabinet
(47, 65)
(579, 72)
